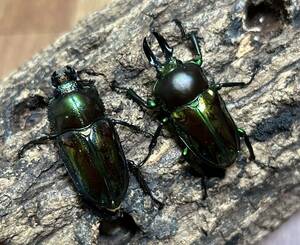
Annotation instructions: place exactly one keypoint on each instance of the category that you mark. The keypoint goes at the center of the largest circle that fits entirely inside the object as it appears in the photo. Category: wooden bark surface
(38, 204)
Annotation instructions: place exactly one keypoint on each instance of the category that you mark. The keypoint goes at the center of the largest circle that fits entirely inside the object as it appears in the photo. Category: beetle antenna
(150, 56)
(167, 50)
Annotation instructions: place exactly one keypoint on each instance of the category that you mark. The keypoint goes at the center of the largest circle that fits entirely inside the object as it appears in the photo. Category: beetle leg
(204, 186)
(240, 84)
(135, 170)
(194, 39)
(131, 94)
(136, 98)
(243, 134)
(39, 141)
(131, 126)
(149, 104)
(185, 153)
(152, 144)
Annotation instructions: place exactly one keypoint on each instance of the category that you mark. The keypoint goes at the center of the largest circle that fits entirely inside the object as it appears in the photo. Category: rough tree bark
(38, 204)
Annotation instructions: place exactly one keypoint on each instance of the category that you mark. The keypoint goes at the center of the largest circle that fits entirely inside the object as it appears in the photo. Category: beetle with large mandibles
(192, 108)
(88, 142)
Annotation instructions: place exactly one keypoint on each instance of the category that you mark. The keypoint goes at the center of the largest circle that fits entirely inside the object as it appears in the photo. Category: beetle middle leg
(240, 84)
(135, 170)
(131, 94)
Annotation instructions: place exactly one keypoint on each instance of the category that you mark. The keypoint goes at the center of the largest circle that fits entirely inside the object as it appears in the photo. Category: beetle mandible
(192, 108)
(88, 141)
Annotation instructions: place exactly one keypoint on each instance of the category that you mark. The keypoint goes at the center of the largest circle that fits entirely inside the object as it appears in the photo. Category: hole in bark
(119, 231)
(234, 31)
(28, 112)
(265, 16)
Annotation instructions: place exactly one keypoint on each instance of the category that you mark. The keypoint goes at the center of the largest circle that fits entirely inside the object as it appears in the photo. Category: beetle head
(63, 75)
(178, 83)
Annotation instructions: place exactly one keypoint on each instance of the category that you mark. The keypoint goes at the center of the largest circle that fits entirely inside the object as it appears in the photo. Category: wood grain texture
(38, 203)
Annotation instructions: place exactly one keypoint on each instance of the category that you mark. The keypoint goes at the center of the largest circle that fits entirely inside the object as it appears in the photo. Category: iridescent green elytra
(193, 109)
(90, 147)
(207, 130)
(88, 142)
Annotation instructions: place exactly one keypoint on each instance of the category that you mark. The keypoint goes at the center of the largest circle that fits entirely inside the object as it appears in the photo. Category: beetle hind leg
(152, 144)
(135, 170)
(198, 171)
(243, 134)
(204, 187)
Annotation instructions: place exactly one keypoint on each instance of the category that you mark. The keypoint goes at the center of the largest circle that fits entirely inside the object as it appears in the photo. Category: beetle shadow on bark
(281, 122)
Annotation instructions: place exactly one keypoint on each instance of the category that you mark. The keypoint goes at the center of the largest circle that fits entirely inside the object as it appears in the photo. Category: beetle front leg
(131, 94)
(243, 134)
(194, 39)
(135, 170)
(39, 141)
(149, 104)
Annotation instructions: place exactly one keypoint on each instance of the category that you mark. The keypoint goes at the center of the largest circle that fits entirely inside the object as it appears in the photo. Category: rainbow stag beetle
(192, 109)
(88, 142)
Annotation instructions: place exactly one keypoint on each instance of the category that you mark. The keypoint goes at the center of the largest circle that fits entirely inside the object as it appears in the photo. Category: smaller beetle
(88, 142)
(192, 109)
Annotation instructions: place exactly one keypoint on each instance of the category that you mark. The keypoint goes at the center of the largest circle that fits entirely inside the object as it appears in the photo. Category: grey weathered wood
(38, 203)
